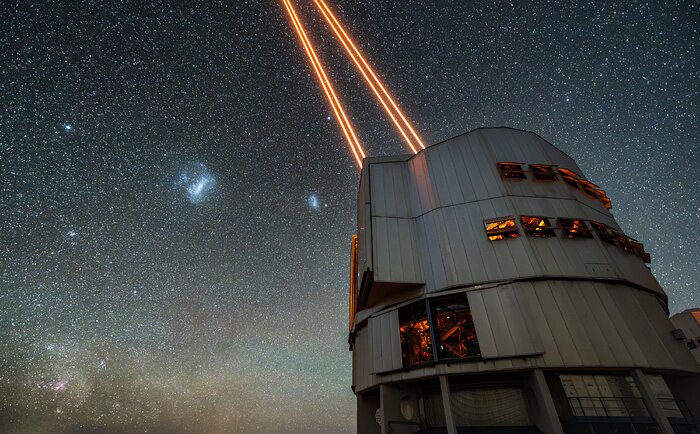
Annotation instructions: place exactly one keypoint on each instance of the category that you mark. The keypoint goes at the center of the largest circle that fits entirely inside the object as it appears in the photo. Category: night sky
(177, 200)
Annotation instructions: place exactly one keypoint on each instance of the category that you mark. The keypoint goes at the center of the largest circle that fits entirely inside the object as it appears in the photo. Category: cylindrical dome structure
(493, 291)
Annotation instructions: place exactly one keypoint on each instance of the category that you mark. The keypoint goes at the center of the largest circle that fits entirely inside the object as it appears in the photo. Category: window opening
(537, 226)
(416, 343)
(605, 232)
(632, 246)
(569, 177)
(589, 188)
(511, 170)
(543, 172)
(625, 243)
(501, 229)
(455, 328)
(575, 228)
(603, 197)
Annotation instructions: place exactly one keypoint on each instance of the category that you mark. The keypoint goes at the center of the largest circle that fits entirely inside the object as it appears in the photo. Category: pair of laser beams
(390, 106)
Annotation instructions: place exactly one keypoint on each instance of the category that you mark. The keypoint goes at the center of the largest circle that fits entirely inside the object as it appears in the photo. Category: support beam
(647, 390)
(543, 412)
(447, 405)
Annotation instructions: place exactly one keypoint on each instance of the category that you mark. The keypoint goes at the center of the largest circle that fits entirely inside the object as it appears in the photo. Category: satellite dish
(407, 408)
(379, 416)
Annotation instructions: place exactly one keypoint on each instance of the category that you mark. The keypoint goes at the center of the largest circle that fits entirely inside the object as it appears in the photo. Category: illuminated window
(446, 322)
(639, 251)
(632, 246)
(543, 172)
(569, 177)
(537, 226)
(603, 197)
(456, 335)
(625, 243)
(511, 170)
(605, 232)
(501, 229)
(575, 228)
(416, 343)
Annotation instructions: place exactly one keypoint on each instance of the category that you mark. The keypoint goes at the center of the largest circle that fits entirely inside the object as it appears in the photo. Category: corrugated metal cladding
(526, 310)
(421, 218)
(569, 324)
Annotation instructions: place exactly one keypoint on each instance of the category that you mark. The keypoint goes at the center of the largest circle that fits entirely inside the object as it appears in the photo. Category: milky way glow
(230, 315)
(197, 181)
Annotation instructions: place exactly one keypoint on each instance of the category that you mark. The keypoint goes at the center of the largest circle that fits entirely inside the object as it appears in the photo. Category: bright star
(68, 128)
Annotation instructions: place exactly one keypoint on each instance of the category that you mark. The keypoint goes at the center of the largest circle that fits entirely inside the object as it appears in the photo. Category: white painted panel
(577, 329)
(663, 326)
(380, 249)
(618, 350)
(557, 325)
(484, 331)
(386, 344)
(642, 330)
(540, 329)
(437, 176)
(499, 325)
(618, 318)
(590, 322)
(474, 241)
(517, 322)
(395, 272)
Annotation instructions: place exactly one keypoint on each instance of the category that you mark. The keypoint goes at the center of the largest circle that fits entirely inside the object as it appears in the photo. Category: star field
(177, 201)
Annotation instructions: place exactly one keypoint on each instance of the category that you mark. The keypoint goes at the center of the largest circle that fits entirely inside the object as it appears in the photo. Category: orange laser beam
(367, 78)
(338, 27)
(327, 87)
(341, 116)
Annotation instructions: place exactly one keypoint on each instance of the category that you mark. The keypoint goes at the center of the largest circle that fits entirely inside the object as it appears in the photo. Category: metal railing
(591, 406)
(628, 407)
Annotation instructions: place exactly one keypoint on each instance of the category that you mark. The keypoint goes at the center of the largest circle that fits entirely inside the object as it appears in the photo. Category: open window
(605, 232)
(632, 246)
(416, 342)
(501, 229)
(603, 197)
(455, 332)
(511, 170)
(588, 187)
(575, 228)
(543, 172)
(537, 226)
(569, 176)
(444, 324)
(639, 250)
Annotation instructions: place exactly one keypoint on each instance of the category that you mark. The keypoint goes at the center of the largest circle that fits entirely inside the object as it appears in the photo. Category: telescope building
(492, 291)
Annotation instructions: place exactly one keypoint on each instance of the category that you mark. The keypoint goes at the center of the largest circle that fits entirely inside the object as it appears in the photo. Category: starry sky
(177, 201)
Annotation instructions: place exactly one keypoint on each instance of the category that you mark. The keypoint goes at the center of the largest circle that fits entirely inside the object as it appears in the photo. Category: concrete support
(447, 404)
(542, 409)
(647, 390)
(367, 405)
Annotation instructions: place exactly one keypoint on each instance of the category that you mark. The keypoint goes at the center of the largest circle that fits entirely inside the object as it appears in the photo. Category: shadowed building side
(493, 291)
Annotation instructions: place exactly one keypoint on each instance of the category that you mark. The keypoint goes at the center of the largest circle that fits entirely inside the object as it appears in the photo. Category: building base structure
(492, 291)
